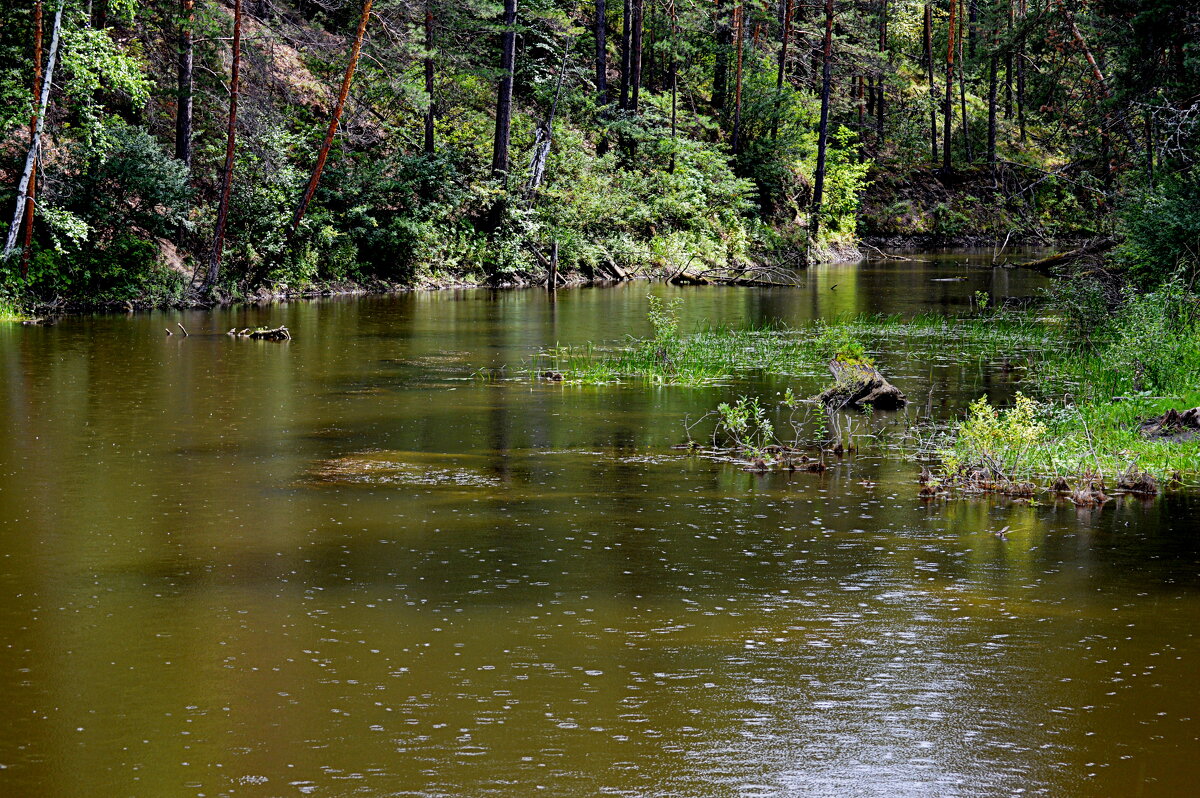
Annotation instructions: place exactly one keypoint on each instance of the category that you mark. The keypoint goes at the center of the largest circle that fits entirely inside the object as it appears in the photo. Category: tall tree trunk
(948, 107)
(1097, 73)
(1008, 66)
(431, 111)
(884, 56)
(823, 130)
(927, 38)
(651, 59)
(35, 145)
(962, 85)
(335, 119)
(739, 31)
(602, 70)
(545, 132)
(183, 112)
(993, 64)
(785, 36)
(721, 62)
(601, 54)
(626, 55)
(30, 206)
(674, 84)
(1021, 71)
(214, 257)
(635, 57)
(508, 58)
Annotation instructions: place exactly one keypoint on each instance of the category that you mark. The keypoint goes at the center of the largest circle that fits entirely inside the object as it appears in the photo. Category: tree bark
(858, 384)
(545, 132)
(626, 57)
(928, 42)
(1021, 72)
(785, 36)
(962, 86)
(721, 62)
(30, 206)
(1008, 67)
(823, 130)
(601, 54)
(739, 31)
(35, 145)
(674, 84)
(1097, 73)
(431, 111)
(948, 106)
(993, 65)
(883, 51)
(214, 257)
(336, 118)
(183, 112)
(635, 57)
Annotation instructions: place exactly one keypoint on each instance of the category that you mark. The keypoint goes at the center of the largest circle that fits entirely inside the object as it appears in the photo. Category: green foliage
(124, 269)
(93, 61)
(664, 319)
(999, 440)
(837, 342)
(121, 181)
(1149, 343)
(1161, 228)
(845, 180)
(745, 425)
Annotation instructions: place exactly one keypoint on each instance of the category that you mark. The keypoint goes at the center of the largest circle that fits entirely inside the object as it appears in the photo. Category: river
(380, 560)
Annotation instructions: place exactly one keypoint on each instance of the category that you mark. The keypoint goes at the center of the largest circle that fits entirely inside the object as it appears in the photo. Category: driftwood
(743, 276)
(1058, 259)
(685, 278)
(1174, 425)
(858, 384)
(262, 334)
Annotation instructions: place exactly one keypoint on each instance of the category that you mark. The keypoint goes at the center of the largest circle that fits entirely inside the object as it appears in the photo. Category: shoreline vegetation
(199, 153)
(1093, 414)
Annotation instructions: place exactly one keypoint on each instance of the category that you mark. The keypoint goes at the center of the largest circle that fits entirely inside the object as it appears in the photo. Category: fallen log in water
(858, 384)
(262, 334)
(1090, 248)
(684, 278)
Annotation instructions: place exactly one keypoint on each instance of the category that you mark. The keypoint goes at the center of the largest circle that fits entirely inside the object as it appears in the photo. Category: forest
(172, 153)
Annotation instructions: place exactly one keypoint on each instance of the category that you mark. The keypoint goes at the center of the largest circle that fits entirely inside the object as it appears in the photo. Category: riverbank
(169, 283)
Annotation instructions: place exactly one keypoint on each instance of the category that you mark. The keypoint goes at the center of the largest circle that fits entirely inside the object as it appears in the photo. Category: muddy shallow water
(377, 560)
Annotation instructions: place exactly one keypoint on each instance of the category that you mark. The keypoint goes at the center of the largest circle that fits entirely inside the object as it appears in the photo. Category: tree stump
(858, 384)
(1174, 425)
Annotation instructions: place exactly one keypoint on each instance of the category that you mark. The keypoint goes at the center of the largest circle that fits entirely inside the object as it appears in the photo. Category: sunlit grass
(9, 312)
(720, 353)
(1089, 416)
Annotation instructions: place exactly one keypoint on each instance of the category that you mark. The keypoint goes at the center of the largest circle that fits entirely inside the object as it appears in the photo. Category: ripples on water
(343, 566)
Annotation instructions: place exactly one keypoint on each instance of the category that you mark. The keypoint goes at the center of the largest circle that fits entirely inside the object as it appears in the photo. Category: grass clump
(719, 353)
(1135, 363)
(10, 311)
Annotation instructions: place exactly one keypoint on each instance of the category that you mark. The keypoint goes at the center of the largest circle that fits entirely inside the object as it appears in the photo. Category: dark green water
(346, 565)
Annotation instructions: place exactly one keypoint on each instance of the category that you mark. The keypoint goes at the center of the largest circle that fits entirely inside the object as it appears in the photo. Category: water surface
(377, 560)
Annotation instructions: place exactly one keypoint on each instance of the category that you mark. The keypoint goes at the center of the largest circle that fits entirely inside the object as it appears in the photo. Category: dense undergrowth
(709, 158)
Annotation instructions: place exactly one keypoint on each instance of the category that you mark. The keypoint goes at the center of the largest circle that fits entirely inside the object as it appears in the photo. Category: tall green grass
(10, 312)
